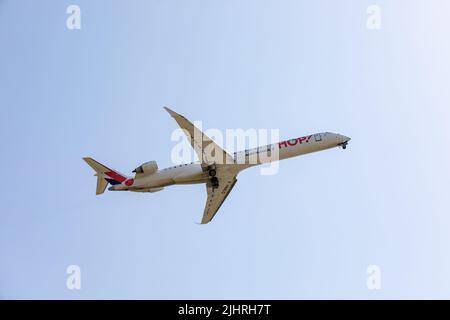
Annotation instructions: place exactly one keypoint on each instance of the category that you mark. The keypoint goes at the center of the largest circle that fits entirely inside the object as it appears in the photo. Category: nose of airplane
(345, 138)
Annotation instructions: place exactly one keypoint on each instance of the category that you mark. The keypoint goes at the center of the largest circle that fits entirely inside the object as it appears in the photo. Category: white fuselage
(194, 173)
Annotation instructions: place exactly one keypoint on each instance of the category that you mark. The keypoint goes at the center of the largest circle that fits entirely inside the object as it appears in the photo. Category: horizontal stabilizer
(101, 184)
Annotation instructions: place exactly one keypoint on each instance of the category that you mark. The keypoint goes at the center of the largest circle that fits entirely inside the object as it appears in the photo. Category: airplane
(218, 172)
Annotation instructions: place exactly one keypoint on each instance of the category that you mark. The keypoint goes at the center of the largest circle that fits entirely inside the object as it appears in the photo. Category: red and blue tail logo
(114, 178)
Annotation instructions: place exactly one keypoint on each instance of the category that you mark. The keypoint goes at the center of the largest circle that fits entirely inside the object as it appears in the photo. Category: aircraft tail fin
(104, 175)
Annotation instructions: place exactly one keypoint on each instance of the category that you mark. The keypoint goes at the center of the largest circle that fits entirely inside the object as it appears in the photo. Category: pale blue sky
(298, 66)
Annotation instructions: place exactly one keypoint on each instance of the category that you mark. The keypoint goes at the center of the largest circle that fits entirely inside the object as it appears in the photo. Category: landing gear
(214, 182)
(212, 173)
(344, 146)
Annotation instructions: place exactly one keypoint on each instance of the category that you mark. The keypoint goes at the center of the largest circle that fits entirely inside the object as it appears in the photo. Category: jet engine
(146, 169)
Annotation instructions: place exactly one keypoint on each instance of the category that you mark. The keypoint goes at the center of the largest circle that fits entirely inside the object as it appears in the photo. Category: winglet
(171, 112)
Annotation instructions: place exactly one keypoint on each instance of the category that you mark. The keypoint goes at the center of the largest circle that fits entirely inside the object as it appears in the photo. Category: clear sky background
(299, 66)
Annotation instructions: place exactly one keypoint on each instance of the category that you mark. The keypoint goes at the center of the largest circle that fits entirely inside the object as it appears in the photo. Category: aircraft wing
(216, 196)
(208, 151)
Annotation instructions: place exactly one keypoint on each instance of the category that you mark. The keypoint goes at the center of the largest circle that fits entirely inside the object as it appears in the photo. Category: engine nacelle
(146, 168)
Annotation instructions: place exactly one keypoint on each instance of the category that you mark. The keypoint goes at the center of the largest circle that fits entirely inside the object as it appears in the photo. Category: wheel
(212, 173)
(344, 147)
(214, 182)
